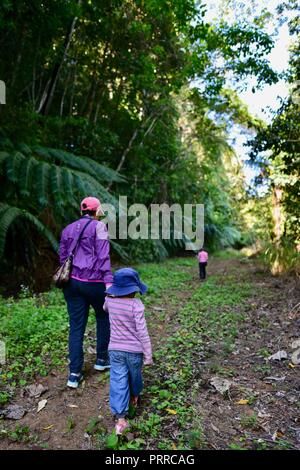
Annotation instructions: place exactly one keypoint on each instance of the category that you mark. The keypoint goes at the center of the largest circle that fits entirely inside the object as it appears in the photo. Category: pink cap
(90, 204)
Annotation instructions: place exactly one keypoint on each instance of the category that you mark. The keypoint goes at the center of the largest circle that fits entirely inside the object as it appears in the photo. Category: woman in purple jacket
(90, 277)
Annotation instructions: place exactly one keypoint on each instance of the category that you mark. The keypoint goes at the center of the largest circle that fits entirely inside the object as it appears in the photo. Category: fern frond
(120, 250)
(95, 188)
(41, 183)
(3, 156)
(44, 153)
(26, 175)
(13, 163)
(23, 148)
(67, 183)
(56, 186)
(84, 164)
(8, 214)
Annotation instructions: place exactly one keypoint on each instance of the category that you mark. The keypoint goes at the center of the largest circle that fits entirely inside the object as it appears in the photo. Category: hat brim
(118, 290)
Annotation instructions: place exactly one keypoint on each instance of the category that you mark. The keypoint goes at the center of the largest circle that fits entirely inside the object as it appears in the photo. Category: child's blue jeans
(125, 380)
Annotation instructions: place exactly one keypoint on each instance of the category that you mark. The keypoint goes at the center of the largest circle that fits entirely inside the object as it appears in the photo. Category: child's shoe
(102, 364)
(121, 426)
(74, 380)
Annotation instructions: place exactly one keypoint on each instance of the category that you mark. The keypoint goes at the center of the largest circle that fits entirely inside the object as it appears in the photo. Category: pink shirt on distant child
(202, 257)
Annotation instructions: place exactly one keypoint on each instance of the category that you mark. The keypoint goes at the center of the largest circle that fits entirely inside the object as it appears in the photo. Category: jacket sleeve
(142, 331)
(102, 249)
(63, 248)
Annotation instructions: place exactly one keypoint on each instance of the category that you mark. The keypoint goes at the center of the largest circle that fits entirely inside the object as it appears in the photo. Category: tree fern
(56, 187)
(41, 183)
(49, 183)
(13, 163)
(45, 178)
(26, 175)
(68, 183)
(76, 162)
(8, 215)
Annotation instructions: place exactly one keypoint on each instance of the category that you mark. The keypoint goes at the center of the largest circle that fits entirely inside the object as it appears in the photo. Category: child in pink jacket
(202, 258)
(129, 346)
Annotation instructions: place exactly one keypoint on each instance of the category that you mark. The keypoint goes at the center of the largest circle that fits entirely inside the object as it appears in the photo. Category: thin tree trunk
(132, 140)
(49, 91)
(92, 98)
(73, 90)
(62, 101)
(99, 101)
(277, 266)
(277, 213)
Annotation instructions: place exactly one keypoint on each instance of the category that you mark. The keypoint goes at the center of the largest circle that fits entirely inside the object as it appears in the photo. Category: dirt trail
(63, 423)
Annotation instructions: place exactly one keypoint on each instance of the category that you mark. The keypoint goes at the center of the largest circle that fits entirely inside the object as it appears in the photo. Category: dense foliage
(276, 150)
(119, 97)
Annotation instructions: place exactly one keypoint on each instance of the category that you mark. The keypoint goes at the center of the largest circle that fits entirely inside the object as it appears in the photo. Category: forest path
(224, 328)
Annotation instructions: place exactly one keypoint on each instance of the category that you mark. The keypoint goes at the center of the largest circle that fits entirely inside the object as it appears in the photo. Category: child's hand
(148, 362)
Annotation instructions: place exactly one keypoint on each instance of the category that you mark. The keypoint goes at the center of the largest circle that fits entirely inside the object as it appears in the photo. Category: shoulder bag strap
(79, 238)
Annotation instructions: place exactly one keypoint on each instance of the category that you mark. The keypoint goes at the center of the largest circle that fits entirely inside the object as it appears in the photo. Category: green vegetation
(88, 106)
(275, 150)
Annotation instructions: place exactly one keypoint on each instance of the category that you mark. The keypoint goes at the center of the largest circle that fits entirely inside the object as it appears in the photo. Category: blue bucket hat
(126, 281)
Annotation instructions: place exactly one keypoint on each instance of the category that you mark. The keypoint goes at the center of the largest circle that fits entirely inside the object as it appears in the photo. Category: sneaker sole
(101, 367)
(72, 384)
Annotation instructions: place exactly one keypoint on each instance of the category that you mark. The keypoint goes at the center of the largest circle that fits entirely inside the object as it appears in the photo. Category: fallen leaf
(35, 390)
(242, 402)
(279, 356)
(296, 357)
(174, 446)
(91, 350)
(48, 427)
(221, 385)
(72, 406)
(274, 379)
(292, 366)
(13, 412)
(41, 405)
(215, 428)
(172, 412)
(296, 344)
(277, 434)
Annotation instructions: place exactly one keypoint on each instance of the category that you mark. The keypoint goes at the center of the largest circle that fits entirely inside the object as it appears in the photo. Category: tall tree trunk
(92, 97)
(48, 94)
(277, 213)
(151, 119)
(62, 101)
(277, 266)
(73, 89)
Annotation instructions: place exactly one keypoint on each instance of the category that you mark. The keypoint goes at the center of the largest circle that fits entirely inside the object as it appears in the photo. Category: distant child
(202, 258)
(129, 346)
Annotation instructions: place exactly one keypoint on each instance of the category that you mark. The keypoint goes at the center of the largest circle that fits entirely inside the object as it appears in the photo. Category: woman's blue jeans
(79, 297)
(125, 380)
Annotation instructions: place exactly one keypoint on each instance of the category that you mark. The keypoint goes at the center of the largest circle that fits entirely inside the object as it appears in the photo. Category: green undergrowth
(34, 328)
